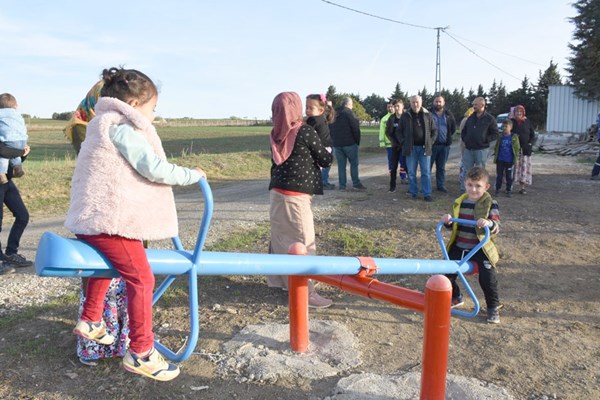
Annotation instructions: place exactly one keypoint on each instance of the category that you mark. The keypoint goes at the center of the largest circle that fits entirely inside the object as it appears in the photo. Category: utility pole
(438, 69)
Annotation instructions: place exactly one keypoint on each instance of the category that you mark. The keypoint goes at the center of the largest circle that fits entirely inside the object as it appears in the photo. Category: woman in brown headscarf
(522, 127)
(297, 156)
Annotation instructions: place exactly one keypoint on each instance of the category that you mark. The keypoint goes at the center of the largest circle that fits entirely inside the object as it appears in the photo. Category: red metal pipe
(298, 305)
(374, 289)
(438, 297)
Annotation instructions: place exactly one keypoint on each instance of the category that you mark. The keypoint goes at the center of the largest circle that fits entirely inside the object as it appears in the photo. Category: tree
(426, 96)
(551, 76)
(584, 66)
(375, 105)
(398, 94)
(332, 96)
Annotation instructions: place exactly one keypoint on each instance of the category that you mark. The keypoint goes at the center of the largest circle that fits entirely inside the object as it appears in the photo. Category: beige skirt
(291, 221)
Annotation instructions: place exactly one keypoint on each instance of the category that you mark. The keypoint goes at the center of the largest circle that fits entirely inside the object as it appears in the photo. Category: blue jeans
(349, 153)
(418, 157)
(472, 158)
(325, 175)
(439, 157)
(12, 199)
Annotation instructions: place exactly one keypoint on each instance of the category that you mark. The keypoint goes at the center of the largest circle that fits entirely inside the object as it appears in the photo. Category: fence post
(438, 298)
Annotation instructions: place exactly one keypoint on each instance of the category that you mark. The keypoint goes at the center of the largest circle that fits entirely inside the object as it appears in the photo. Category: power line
(438, 73)
(478, 56)
(377, 16)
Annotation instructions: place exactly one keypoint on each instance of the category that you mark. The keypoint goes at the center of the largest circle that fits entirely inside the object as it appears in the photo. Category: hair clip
(323, 98)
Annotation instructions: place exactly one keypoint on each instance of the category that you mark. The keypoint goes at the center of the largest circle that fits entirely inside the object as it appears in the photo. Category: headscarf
(287, 120)
(85, 111)
(520, 119)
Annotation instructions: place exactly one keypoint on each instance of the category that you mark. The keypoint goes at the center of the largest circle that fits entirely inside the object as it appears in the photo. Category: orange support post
(298, 305)
(438, 298)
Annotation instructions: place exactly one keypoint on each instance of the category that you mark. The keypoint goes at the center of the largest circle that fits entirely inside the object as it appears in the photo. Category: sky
(218, 59)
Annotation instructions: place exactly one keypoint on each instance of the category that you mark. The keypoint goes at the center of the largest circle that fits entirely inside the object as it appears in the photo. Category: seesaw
(57, 256)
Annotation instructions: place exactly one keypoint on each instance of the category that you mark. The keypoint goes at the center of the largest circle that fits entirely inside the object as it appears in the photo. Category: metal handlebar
(465, 259)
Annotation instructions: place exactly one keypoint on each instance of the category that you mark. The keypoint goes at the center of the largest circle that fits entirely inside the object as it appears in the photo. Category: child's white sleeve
(138, 152)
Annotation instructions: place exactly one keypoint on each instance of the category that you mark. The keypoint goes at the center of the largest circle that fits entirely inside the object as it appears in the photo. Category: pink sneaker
(316, 301)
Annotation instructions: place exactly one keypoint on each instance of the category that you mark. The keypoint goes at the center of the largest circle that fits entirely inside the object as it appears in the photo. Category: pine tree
(584, 66)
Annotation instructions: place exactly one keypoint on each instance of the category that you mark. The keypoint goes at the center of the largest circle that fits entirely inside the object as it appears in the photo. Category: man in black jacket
(345, 134)
(446, 126)
(479, 131)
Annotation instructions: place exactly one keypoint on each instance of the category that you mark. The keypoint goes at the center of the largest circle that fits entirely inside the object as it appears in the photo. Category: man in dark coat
(446, 127)
(345, 134)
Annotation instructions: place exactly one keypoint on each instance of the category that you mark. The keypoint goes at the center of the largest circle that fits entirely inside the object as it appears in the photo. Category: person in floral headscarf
(297, 156)
(522, 127)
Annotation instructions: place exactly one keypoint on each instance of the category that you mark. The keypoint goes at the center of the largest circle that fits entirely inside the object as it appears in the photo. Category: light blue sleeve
(138, 152)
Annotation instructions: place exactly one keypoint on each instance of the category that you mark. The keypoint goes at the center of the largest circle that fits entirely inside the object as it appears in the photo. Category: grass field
(224, 152)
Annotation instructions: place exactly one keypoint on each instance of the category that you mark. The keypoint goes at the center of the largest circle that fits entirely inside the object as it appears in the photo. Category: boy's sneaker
(152, 366)
(6, 269)
(16, 261)
(18, 171)
(93, 331)
(493, 315)
(3, 179)
(457, 301)
(508, 193)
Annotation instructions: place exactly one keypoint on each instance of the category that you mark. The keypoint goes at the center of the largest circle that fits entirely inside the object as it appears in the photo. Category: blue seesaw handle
(464, 260)
(192, 280)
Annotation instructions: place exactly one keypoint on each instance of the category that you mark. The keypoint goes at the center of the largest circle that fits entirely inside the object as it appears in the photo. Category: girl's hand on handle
(201, 172)
(27, 150)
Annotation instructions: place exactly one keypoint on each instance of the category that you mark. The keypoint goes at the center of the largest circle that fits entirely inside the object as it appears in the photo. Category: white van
(500, 119)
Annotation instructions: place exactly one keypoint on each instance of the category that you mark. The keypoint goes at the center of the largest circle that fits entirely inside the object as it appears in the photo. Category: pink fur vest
(107, 194)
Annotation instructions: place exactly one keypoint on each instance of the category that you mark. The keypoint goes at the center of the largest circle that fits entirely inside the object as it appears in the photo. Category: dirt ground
(546, 347)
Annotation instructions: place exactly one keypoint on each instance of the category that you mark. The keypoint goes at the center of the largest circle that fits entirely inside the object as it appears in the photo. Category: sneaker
(342, 188)
(360, 186)
(152, 366)
(523, 191)
(493, 315)
(392, 189)
(17, 261)
(93, 331)
(595, 177)
(317, 301)
(428, 198)
(496, 192)
(3, 179)
(508, 193)
(18, 171)
(328, 186)
(457, 301)
(442, 189)
(6, 269)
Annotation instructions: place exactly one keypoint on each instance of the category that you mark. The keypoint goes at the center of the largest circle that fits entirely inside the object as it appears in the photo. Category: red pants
(128, 257)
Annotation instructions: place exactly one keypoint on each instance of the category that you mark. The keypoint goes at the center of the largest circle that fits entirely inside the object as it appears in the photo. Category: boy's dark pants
(487, 276)
(504, 168)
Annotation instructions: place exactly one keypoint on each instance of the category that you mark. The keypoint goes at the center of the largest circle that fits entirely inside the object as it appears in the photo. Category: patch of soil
(545, 347)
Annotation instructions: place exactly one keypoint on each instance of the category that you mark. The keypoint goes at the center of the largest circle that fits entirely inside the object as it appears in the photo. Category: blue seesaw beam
(57, 256)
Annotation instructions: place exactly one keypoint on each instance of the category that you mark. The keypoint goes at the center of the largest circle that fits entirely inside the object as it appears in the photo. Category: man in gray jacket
(416, 134)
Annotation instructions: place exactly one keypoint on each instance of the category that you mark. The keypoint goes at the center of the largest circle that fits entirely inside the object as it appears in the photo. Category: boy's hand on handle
(446, 219)
(201, 172)
(481, 222)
